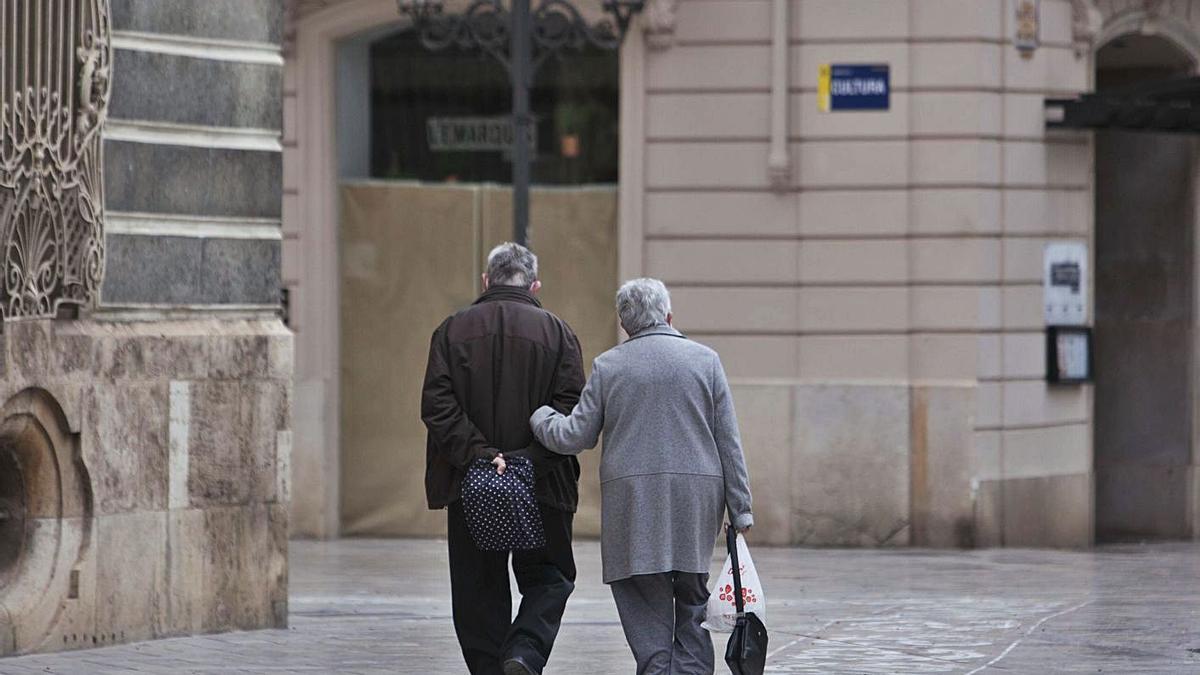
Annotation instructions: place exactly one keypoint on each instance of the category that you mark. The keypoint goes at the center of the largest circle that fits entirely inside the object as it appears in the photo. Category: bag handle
(739, 602)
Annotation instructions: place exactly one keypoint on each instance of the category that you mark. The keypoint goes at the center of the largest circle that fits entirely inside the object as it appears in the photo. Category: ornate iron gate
(55, 73)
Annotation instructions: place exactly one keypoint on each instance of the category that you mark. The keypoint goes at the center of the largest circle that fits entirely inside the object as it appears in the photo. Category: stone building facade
(146, 374)
(873, 280)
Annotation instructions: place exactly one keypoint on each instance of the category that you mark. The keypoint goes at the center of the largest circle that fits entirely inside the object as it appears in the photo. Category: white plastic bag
(721, 616)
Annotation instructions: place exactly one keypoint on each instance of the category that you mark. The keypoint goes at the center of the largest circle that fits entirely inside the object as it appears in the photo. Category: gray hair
(642, 304)
(512, 264)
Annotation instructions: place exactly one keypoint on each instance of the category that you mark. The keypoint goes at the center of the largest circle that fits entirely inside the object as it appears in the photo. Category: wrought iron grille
(55, 72)
(556, 25)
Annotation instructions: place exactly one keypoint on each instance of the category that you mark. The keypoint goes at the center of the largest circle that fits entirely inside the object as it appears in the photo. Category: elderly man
(672, 465)
(490, 366)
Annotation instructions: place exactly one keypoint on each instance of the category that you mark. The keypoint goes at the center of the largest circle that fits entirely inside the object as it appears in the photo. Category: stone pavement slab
(368, 606)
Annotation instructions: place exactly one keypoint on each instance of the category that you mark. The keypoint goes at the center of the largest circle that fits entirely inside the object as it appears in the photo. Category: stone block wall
(902, 253)
(192, 156)
(897, 268)
(154, 480)
(861, 464)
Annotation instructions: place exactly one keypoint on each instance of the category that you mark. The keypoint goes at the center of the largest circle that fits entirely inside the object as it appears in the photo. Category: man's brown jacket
(490, 366)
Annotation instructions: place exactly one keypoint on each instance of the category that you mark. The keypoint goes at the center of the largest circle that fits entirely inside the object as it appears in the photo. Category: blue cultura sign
(853, 87)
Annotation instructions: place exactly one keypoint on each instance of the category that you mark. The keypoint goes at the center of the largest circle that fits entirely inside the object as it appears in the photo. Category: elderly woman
(672, 465)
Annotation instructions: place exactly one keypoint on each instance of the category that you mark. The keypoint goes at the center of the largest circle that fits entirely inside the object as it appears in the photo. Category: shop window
(444, 116)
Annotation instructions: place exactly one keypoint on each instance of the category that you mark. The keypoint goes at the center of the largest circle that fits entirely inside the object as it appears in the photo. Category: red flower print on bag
(721, 614)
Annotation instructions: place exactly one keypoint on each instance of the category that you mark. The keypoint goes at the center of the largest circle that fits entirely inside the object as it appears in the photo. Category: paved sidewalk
(380, 607)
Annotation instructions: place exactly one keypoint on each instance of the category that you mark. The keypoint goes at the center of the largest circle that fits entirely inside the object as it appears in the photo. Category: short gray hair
(642, 304)
(512, 264)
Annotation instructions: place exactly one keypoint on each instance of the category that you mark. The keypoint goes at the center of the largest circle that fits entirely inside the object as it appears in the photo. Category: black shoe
(517, 666)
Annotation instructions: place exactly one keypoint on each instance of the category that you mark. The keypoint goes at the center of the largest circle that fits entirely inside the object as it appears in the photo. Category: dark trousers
(482, 599)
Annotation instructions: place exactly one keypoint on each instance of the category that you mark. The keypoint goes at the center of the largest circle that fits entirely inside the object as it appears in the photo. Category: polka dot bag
(502, 511)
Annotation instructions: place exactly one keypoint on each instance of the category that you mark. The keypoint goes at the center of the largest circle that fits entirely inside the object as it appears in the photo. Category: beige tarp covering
(411, 255)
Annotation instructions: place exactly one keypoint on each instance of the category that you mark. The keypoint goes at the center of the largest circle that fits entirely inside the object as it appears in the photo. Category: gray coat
(672, 459)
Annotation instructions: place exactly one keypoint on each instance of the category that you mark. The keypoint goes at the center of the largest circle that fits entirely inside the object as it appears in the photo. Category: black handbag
(746, 652)
(502, 510)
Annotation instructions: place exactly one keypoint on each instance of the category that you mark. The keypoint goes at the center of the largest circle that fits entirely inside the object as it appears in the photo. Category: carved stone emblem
(55, 71)
(660, 23)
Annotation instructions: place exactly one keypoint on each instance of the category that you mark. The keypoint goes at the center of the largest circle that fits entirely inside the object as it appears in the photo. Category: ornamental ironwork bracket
(55, 81)
(556, 25)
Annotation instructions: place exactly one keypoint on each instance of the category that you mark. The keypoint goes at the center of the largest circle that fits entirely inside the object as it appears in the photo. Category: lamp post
(521, 38)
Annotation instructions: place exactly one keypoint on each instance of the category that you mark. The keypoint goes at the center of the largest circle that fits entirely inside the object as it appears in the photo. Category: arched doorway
(424, 196)
(1145, 333)
(333, 172)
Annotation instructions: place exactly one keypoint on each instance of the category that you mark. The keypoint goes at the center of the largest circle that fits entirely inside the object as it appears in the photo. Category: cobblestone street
(380, 607)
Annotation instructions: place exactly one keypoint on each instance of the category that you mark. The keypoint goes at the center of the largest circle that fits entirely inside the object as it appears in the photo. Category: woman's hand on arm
(571, 434)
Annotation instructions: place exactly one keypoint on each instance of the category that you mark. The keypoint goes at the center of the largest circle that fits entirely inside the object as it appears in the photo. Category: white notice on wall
(1065, 283)
(1072, 349)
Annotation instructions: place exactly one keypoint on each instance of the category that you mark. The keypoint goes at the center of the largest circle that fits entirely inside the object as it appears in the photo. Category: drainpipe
(779, 160)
